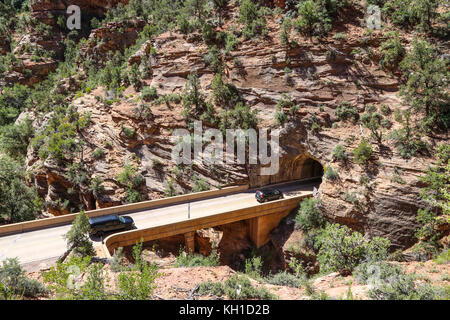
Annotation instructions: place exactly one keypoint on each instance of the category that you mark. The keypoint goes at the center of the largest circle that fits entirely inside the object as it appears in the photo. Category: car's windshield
(122, 219)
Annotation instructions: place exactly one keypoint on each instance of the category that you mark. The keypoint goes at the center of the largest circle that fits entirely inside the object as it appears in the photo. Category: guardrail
(127, 238)
(122, 209)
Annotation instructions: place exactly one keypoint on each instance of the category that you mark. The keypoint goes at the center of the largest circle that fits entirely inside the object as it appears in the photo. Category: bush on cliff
(363, 152)
(427, 82)
(15, 283)
(18, 202)
(342, 250)
(309, 215)
(253, 19)
(197, 260)
(316, 17)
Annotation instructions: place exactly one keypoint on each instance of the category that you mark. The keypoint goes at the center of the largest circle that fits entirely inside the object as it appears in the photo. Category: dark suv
(264, 195)
(101, 225)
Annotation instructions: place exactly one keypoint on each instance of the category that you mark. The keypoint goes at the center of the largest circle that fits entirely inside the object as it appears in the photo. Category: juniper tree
(78, 236)
(427, 81)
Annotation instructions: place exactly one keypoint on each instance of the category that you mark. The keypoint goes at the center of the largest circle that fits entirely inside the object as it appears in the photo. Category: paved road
(34, 248)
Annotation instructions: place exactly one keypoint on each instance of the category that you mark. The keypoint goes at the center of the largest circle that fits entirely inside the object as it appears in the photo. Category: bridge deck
(48, 244)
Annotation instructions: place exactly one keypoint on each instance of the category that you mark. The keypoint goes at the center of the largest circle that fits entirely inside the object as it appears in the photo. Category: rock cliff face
(319, 76)
(45, 10)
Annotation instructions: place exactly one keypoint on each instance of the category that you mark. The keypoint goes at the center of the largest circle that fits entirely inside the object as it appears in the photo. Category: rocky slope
(182, 283)
(317, 83)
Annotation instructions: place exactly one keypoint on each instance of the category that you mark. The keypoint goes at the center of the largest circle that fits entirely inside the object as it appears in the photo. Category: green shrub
(98, 153)
(213, 59)
(340, 36)
(224, 94)
(392, 51)
(137, 285)
(149, 94)
(116, 259)
(313, 18)
(435, 193)
(374, 273)
(375, 122)
(351, 197)
(253, 267)
(309, 215)
(241, 116)
(331, 174)
(211, 288)
(13, 277)
(132, 180)
(410, 13)
(285, 279)
(240, 287)
(316, 17)
(363, 152)
(200, 185)
(96, 186)
(402, 287)
(142, 111)
(342, 250)
(444, 257)
(427, 83)
(15, 138)
(236, 287)
(286, 28)
(62, 278)
(184, 24)
(339, 153)
(385, 110)
(170, 190)
(208, 33)
(18, 202)
(78, 236)
(197, 260)
(129, 132)
(133, 196)
(407, 141)
(193, 99)
(94, 286)
(281, 117)
(346, 112)
(231, 41)
(253, 19)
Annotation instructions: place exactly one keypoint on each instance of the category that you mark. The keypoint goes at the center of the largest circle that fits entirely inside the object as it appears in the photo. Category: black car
(264, 195)
(101, 225)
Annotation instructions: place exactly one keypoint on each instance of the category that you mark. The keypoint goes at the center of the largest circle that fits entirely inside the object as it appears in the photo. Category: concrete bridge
(38, 241)
(261, 219)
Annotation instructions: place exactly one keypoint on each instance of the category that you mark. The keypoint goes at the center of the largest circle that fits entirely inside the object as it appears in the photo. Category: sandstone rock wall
(319, 75)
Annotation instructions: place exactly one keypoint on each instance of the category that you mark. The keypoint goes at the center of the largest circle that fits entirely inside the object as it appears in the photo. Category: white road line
(9, 247)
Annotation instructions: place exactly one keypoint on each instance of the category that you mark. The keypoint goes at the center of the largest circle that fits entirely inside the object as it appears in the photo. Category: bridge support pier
(260, 227)
(189, 240)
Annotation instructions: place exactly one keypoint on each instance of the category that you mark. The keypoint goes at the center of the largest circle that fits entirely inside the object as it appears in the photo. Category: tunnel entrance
(304, 167)
(299, 167)
(310, 168)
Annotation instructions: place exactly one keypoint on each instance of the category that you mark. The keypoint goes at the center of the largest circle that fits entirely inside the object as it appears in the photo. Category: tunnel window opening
(306, 167)
(312, 169)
